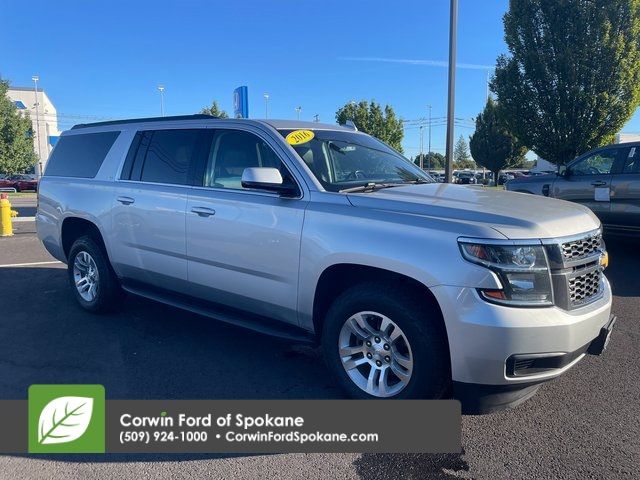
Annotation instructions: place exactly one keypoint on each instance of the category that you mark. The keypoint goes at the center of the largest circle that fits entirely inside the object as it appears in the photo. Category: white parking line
(32, 264)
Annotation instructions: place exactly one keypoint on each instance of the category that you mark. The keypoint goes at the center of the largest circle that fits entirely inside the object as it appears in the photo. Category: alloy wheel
(85, 276)
(375, 353)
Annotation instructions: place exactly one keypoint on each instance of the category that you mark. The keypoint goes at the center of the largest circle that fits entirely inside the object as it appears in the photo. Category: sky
(104, 60)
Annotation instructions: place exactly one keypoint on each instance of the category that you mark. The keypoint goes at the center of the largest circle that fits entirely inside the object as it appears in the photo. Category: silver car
(321, 233)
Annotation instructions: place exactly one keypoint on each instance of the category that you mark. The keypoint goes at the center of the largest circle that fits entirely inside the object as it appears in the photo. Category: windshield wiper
(370, 187)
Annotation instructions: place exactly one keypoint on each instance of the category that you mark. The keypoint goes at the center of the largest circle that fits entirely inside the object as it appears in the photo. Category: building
(45, 124)
(627, 137)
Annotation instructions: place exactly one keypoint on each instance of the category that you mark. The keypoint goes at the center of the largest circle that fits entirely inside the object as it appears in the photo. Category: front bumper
(480, 399)
(484, 339)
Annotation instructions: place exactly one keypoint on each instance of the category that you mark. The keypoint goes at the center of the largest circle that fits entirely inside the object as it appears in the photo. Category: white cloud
(415, 61)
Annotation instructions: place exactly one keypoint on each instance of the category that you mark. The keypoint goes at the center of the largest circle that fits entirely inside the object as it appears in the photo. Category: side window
(81, 155)
(632, 162)
(234, 150)
(597, 164)
(162, 156)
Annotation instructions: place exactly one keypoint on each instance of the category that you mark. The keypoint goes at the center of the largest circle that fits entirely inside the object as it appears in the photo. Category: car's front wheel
(92, 279)
(381, 341)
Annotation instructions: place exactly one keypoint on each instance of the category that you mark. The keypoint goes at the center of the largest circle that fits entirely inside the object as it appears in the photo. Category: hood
(514, 215)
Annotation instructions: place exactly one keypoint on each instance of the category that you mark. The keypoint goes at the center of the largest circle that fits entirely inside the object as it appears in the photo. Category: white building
(627, 137)
(45, 126)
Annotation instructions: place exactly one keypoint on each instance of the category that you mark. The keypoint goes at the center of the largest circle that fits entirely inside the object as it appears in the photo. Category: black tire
(108, 287)
(419, 319)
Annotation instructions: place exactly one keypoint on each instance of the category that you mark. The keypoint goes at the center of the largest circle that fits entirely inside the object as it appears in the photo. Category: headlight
(523, 271)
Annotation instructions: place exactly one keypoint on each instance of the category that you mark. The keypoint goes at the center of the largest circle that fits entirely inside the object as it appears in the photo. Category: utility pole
(421, 154)
(161, 90)
(266, 105)
(453, 34)
(429, 152)
(298, 110)
(35, 79)
(316, 118)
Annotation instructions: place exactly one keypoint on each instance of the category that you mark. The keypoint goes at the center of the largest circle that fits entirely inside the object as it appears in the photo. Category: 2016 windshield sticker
(298, 137)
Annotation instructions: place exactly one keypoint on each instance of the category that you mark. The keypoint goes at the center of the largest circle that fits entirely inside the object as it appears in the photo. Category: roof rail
(197, 116)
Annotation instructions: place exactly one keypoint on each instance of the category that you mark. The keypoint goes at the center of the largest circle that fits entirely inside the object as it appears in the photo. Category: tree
(214, 110)
(372, 119)
(493, 146)
(461, 155)
(16, 136)
(432, 161)
(572, 76)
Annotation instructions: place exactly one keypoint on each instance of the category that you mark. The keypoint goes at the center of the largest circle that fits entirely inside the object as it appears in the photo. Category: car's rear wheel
(380, 341)
(92, 279)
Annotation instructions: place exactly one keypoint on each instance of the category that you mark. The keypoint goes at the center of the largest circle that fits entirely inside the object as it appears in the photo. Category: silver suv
(316, 232)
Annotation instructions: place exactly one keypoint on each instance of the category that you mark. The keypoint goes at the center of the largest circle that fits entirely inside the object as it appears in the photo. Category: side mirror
(266, 178)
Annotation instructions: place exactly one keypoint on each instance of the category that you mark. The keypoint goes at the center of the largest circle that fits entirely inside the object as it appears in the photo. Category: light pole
(161, 90)
(429, 151)
(453, 33)
(266, 105)
(298, 110)
(421, 154)
(35, 79)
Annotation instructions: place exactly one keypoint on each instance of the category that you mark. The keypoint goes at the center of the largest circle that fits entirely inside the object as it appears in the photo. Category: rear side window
(80, 155)
(163, 156)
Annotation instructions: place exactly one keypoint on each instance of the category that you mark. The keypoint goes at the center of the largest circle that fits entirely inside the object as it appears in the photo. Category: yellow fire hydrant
(6, 228)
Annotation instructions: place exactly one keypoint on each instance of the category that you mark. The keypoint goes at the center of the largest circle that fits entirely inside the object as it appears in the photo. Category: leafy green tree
(16, 136)
(432, 161)
(461, 156)
(214, 110)
(371, 118)
(572, 76)
(493, 146)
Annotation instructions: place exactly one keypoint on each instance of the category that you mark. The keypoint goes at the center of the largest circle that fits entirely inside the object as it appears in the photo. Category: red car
(20, 182)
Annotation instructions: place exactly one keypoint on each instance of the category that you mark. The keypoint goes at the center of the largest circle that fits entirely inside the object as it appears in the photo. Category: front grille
(577, 249)
(576, 273)
(583, 287)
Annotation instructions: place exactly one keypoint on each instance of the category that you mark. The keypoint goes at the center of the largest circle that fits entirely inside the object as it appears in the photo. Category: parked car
(437, 176)
(466, 178)
(504, 177)
(607, 180)
(318, 233)
(20, 182)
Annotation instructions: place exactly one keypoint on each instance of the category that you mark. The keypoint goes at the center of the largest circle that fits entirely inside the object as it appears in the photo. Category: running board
(250, 321)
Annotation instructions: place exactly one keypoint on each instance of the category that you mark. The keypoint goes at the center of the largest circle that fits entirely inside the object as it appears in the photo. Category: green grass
(23, 194)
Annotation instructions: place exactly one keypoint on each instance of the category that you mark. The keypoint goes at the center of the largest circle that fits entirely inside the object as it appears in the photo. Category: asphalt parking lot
(583, 425)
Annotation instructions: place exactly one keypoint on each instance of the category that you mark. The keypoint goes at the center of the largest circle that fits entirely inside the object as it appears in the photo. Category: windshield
(342, 160)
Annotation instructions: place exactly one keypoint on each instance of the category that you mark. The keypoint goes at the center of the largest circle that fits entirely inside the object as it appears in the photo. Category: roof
(277, 124)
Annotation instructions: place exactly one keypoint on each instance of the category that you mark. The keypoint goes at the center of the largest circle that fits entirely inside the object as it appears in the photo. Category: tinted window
(597, 164)
(169, 156)
(231, 152)
(80, 155)
(632, 163)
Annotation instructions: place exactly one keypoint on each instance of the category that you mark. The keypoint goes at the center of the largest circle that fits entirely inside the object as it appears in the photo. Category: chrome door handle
(203, 211)
(599, 183)
(126, 200)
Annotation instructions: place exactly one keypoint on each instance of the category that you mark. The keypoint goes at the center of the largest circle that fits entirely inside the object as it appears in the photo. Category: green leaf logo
(64, 419)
